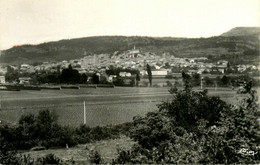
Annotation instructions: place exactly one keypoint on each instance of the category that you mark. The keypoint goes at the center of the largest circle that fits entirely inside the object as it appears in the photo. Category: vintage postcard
(129, 81)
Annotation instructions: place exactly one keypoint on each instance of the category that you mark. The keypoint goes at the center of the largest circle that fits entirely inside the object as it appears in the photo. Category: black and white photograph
(129, 82)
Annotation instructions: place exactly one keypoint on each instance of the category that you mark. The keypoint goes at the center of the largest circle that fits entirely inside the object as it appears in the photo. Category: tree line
(224, 81)
(66, 76)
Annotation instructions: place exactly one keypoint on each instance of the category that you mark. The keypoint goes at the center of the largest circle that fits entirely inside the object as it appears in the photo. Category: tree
(237, 131)
(208, 81)
(95, 78)
(196, 128)
(149, 72)
(169, 84)
(225, 80)
(228, 65)
(186, 80)
(137, 79)
(7, 149)
(47, 125)
(84, 78)
(28, 131)
(70, 76)
(95, 157)
(248, 86)
(50, 159)
(196, 79)
(11, 74)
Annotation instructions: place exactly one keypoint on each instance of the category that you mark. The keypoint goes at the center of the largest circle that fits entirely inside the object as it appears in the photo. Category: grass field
(81, 153)
(104, 105)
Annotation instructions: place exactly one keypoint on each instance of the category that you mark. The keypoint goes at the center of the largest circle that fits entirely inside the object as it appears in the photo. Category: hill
(242, 31)
(244, 48)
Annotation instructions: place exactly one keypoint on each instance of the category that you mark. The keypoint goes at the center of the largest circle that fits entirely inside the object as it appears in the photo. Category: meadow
(81, 153)
(104, 106)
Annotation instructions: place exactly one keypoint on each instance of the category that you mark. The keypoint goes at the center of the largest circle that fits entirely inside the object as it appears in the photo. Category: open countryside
(105, 106)
(129, 82)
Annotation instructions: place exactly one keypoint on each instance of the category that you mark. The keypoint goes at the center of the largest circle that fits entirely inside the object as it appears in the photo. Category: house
(82, 71)
(2, 79)
(157, 67)
(111, 78)
(222, 62)
(24, 66)
(222, 70)
(125, 74)
(24, 80)
(200, 71)
(218, 69)
(159, 72)
(192, 71)
(192, 60)
(134, 51)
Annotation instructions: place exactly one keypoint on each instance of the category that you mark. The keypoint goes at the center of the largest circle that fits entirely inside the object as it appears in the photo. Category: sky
(38, 21)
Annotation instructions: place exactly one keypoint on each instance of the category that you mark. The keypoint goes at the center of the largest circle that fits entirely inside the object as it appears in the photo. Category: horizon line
(92, 36)
(50, 41)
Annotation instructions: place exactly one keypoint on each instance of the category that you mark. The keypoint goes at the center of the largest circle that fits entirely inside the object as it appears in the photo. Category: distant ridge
(240, 41)
(242, 31)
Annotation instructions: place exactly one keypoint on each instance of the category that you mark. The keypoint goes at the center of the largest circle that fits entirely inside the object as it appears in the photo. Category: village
(162, 66)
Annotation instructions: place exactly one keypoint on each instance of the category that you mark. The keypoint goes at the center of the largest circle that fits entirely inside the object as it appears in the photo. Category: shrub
(95, 157)
(50, 159)
(169, 77)
(196, 128)
(43, 130)
(169, 84)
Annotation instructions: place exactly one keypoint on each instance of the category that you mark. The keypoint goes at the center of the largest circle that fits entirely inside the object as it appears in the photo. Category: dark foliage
(186, 80)
(43, 130)
(11, 74)
(7, 149)
(169, 77)
(137, 78)
(225, 80)
(196, 79)
(125, 81)
(208, 81)
(71, 76)
(86, 134)
(47, 77)
(67, 76)
(95, 79)
(50, 159)
(149, 72)
(95, 157)
(196, 128)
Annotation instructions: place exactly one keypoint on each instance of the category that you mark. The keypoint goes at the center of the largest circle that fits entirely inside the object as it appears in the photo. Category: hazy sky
(37, 21)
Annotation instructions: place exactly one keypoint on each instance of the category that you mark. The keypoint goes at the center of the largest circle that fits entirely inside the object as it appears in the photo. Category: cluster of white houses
(132, 59)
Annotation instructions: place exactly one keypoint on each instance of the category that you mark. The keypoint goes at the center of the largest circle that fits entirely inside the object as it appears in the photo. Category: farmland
(104, 106)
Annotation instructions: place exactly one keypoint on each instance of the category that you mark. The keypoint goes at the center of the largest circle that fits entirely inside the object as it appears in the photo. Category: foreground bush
(196, 128)
(95, 157)
(44, 131)
(50, 159)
